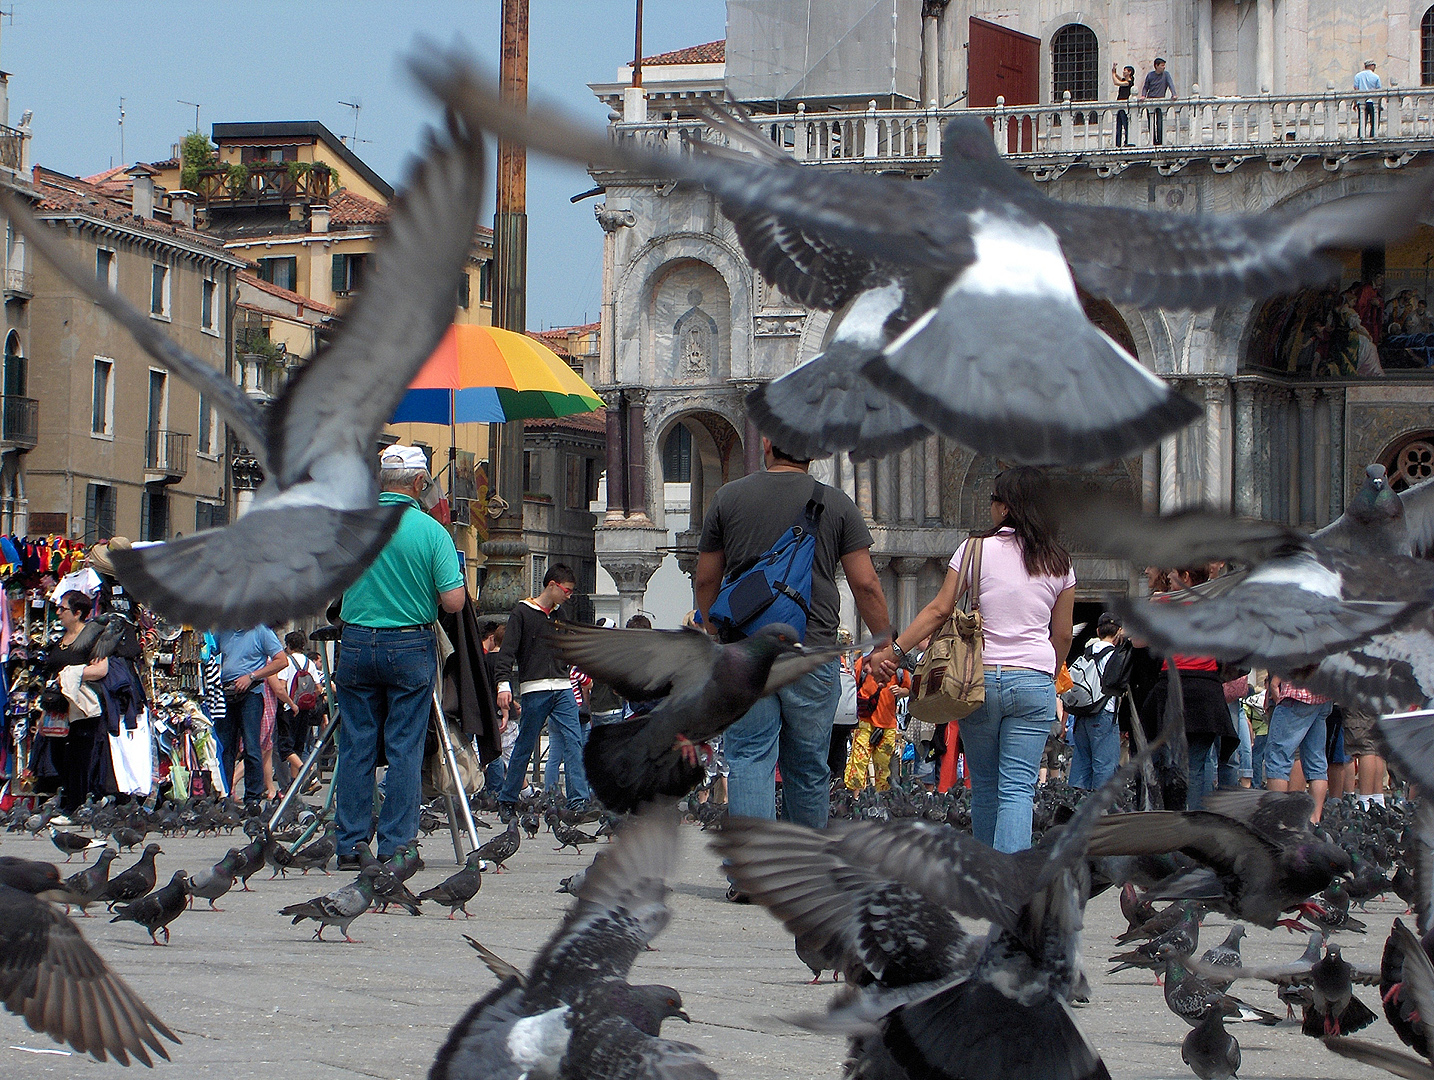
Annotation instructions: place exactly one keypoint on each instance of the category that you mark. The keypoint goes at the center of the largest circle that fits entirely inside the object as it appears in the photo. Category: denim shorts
(1295, 725)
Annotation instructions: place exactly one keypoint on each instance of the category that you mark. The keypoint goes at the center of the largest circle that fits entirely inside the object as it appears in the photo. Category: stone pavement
(254, 997)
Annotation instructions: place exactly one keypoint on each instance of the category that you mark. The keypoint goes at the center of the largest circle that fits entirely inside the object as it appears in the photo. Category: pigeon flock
(956, 962)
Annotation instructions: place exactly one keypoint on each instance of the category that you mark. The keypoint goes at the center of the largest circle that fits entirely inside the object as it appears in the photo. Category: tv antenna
(353, 139)
(193, 105)
(121, 131)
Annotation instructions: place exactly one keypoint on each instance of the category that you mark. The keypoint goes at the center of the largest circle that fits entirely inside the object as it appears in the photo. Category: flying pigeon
(53, 978)
(940, 266)
(315, 441)
(698, 688)
(1252, 869)
(1298, 602)
(340, 907)
(1417, 1014)
(1211, 1052)
(574, 1014)
(133, 882)
(37, 878)
(214, 882)
(160, 908)
(458, 889)
(1382, 521)
(83, 889)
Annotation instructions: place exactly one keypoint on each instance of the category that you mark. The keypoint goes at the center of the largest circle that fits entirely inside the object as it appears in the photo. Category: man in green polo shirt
(389, 661)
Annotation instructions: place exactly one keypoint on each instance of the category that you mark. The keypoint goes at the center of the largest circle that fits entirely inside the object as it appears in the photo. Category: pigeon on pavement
(1183, 937)
(1252, 870)
(315, 441)
(1333, 1008)
(160, 908)
(1225, 954)
(340, 907)
(568, 836)
(83, 889)
(73, 844)
(699, 689)
(214, 882)
(1211, 1052)
(1190, 997)
(458, 889)
(1291, 979)
(316, 855)
(52, 977)
(574, 1014)
(1046, 387)
(502, 847)
(133, 882)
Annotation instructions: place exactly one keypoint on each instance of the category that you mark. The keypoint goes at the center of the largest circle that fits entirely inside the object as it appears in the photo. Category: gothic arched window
(1075, 63)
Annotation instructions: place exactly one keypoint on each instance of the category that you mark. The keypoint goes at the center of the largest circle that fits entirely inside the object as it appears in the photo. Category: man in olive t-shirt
(791, 728)
(389, 661)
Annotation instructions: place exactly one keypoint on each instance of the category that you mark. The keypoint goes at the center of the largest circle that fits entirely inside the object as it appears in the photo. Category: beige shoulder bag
(950, 681)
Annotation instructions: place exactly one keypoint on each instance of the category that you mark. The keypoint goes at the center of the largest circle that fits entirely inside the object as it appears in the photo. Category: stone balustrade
(1281, 128)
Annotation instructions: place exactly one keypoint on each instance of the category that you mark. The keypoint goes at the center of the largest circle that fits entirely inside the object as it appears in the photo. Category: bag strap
(812, 512)
(970, 574)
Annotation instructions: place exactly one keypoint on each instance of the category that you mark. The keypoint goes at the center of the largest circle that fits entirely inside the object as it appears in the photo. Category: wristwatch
(897, 650)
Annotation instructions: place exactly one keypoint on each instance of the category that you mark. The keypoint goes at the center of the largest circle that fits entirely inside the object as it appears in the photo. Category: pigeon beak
(681, 1014)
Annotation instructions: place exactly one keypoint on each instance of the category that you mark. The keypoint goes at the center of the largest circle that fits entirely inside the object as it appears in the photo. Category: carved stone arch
(1409, 459)
(716, 447)
(637, 362)
(1049, 31)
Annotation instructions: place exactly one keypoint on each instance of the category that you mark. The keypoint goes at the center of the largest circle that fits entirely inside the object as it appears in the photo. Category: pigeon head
(1323, 860)
(1376, 503)
(646, 1007)
(773, 640)
(151, 850)
(181, 878)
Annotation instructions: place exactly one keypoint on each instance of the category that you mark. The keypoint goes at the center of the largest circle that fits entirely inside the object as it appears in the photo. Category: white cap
(399, 456)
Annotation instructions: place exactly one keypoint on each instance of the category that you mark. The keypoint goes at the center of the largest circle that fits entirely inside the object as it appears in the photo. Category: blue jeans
(384, 683)
(1095, 749)
(493, 774)
(1004, 740)
(1257, 760)
(1203, 750)
(556, 760)
(243, 716)
(1296, 725)
(565, 738)
(791, 728)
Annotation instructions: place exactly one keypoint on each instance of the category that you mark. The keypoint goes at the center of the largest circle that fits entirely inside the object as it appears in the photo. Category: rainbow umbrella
(481, 374)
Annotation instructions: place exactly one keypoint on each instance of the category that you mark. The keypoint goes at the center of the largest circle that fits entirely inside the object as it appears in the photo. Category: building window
(208, 515)
(580, 487)
(540, 569)
(207, 320)
(16, 368)
(208, 426)
(464, 295)
(106, 267)
(677, 456)
(158, 400)
(99, 513)
(159, 291)
(532, 472)
(281, 272)
(348, 273)
(154, 515)
(102, 410)
(1075, 63)
(485, 281)
(1426, 49)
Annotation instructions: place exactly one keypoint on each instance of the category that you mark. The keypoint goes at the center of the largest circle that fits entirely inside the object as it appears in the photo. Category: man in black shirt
(791, 728)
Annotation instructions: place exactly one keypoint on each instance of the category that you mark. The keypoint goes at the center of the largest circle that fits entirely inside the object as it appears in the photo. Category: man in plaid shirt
(1297, 723)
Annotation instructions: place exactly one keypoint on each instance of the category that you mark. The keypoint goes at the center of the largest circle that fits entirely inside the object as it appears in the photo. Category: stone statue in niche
(694, 341)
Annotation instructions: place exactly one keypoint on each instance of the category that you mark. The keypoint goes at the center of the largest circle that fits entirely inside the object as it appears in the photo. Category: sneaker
(349, 862)
(737, 896)
(507, 811)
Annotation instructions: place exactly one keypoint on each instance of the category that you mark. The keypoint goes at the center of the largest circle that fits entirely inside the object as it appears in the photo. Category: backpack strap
(812, 512)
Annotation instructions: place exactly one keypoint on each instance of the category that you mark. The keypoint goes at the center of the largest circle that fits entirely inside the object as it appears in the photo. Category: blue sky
(72, 60)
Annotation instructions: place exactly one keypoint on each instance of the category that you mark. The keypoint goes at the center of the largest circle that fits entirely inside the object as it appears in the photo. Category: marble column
(610, 220)
(616, 467)
(1243, 480)
(863, 498)
(1321, 461)
(1336, 451)
(1205, 46)
(886, 489)
(1150, 480)
(1169, 477)
(1305, 398)
(636, 451)
(1264, 440)
(1213, 468)
(1265, 46)
(907, 567)
(753, 459)
(905, 466)
(932, 480)
(631, 571)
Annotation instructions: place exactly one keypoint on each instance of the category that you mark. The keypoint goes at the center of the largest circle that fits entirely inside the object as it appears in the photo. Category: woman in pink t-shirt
(1027, 596)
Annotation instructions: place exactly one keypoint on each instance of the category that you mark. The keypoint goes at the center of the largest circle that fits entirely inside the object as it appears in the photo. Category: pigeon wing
(791, 666)
(478, 1046)
(1183, 538)
(612, 1048)
(641, 665)
(239, 576)
(1389, 673)
(52, 977)
(1384, 1057)
(1194, 261)
(217, 387)
(1419, 516)
(1282, 817)
(347, 392)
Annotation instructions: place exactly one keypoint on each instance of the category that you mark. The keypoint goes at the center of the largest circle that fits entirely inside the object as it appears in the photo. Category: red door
(1001, 62)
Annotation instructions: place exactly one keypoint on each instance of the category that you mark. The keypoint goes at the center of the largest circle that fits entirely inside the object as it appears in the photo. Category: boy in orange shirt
(876, 738)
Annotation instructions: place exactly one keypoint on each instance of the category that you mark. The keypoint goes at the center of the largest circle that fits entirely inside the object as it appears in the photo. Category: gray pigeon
(1225, 954)
(1382, 521)
(315, 441)
(61, 986)
(213, 883)
(457, 890)
(316, 855)
(1190, 997)
(1333, 1007)
(1290, 979)
(574, 1015)
(73, 844)
(340, 907)
(1418, 987)
(502, 847)
(698, 689)
(1047, 386)
(83, 889)
(160, 908)
(1211, 1052)
(134, 882)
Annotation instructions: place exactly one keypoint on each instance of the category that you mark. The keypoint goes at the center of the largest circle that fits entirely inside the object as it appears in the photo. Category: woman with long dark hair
(1027, 596)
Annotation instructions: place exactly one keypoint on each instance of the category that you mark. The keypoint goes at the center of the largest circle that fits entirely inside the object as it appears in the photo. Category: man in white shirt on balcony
(1368, 80)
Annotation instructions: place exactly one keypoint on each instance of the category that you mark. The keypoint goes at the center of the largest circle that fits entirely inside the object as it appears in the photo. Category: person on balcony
(1124, 79)
(1367, 80)
(1156, 86)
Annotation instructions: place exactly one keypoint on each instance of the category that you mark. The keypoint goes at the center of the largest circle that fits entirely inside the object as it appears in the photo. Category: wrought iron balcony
(1280, 128)
(12, 148)
(19, 422)
(166, 456)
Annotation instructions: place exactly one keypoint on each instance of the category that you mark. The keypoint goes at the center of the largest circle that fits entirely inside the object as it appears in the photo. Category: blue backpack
(774, 587)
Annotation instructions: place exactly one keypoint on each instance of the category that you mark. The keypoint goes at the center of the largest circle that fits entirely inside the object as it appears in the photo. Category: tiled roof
(292, 297)
(714, 52)
(112, 182)
(70, 195)
(595, 421)
(346, 208)
(167, 163)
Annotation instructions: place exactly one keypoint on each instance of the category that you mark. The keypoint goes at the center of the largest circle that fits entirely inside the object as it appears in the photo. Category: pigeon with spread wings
(981, 240)
(315, 442)
(688, 689)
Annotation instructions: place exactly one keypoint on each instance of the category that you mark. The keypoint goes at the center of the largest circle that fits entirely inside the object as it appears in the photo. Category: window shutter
(463, 291)
(340, 278)
(144, 516)
(91, 521)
